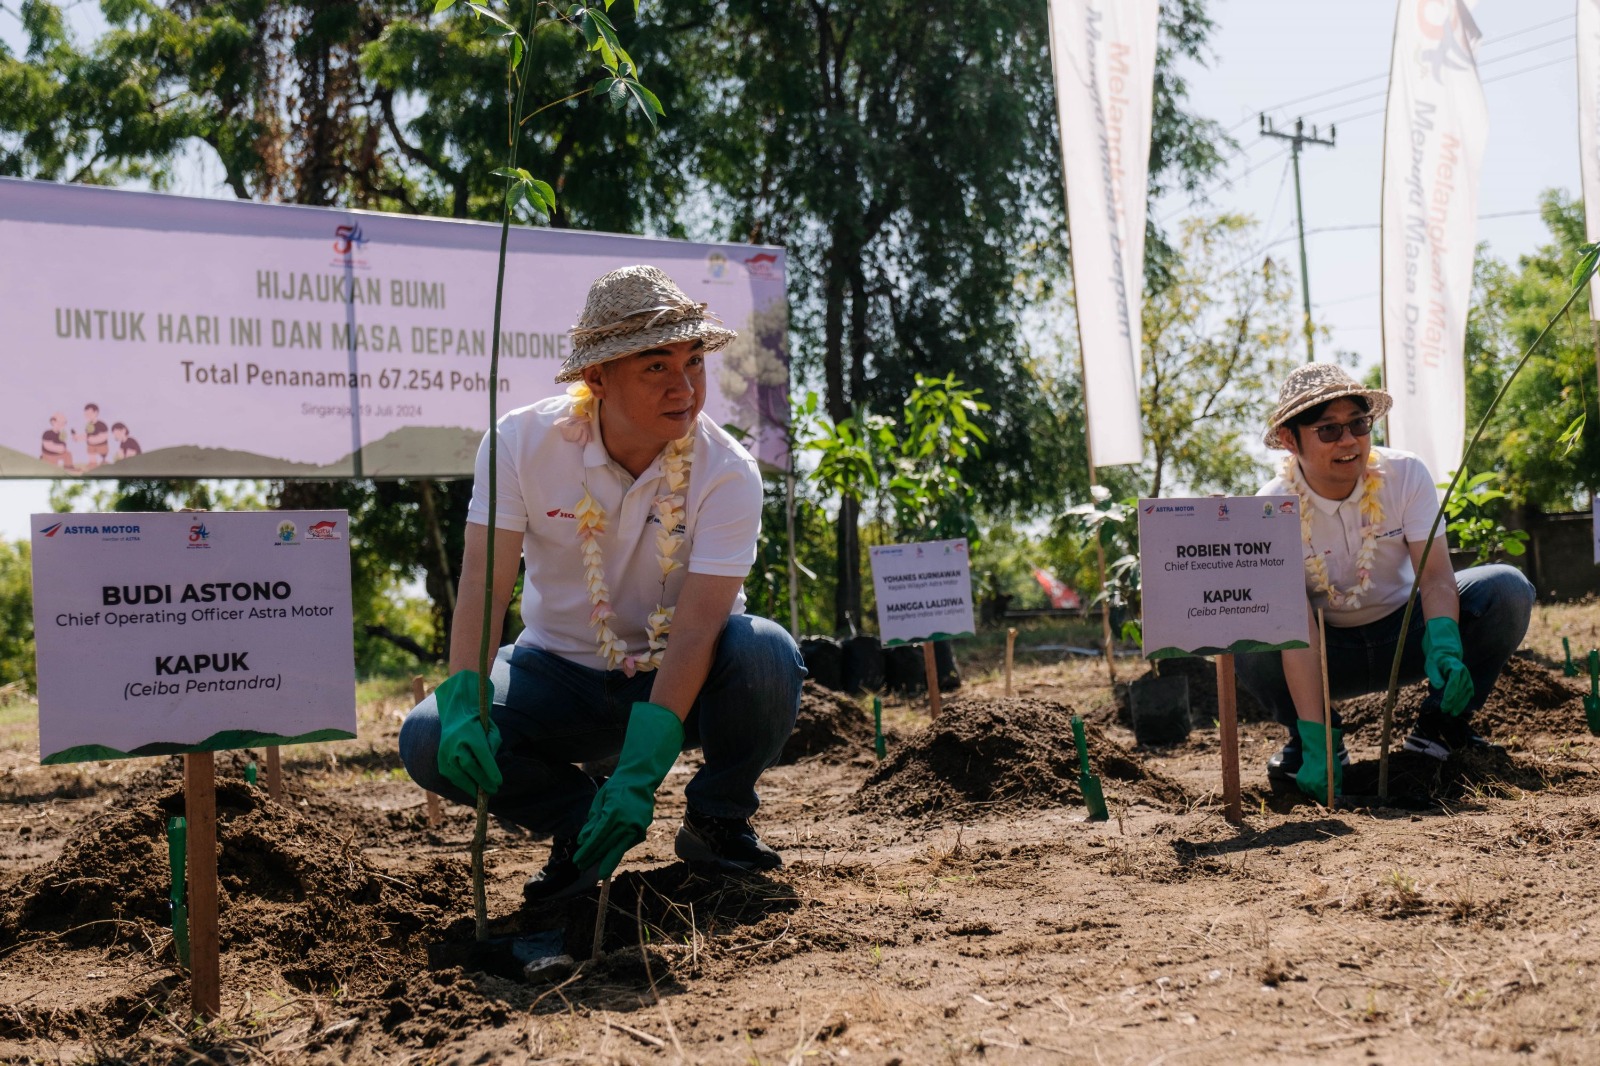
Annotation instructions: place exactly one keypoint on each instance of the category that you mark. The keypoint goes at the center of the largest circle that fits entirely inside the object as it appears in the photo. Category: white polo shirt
(541, 478)
(1409, 500)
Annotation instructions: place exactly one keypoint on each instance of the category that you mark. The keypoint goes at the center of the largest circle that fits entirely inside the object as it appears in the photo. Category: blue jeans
(554, 713)
(1495, 604)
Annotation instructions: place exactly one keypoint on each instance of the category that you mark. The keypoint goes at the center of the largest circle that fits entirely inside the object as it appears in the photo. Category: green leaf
(626, 60)
(541, 190)
(1573, 434)
(1589, 259)
(591, 34)
(649, 98)
(516, 51)
(486, 13)
(441, 6)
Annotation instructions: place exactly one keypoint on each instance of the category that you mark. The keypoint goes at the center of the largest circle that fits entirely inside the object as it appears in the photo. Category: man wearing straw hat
(637, 519)
(1365, 517)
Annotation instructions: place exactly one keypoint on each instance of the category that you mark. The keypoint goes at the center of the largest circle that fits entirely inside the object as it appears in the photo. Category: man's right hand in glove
(626, 804)
(466, 751)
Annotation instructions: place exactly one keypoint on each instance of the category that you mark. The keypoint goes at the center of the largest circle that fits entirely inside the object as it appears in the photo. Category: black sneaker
(1438, 736)
(560, 879)
(1286, 763)
(729, 844)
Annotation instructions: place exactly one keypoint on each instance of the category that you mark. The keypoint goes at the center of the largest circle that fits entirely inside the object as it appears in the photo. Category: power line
(1223, 180)
(1285, 236)
(1487, 42)
(1487, 62)
(1486, 81)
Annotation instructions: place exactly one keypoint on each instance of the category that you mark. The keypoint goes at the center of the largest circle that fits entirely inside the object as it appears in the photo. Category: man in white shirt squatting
(637, 518)
(1365, 514)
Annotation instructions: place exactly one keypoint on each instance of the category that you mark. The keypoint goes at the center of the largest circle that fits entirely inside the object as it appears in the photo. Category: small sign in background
(924, 591)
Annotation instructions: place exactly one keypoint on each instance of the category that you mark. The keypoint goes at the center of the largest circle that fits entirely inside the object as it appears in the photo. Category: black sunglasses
(1333, 432)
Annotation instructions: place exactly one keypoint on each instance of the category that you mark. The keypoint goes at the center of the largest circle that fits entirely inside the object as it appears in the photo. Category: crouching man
(637, 519)
(1365, 515)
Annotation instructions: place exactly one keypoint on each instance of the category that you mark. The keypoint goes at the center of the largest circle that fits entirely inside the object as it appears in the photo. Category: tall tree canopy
(906, 154)
(1511, 305)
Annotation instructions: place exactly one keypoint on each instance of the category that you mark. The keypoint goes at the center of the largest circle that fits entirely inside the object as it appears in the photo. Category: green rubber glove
(1446, 664)
(1313, 775)
(466, 752)
(626, 803)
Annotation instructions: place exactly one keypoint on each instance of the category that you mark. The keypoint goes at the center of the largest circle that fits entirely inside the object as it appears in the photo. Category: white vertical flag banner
(1104, 53)
(1589, 126)
(1433, 149)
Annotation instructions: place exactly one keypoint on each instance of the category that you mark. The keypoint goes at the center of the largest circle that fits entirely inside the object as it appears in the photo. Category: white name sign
(924, 591)
(163, 633)
(1222, 575)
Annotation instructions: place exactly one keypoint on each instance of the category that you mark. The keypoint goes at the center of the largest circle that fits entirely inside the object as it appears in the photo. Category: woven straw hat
(632, 309)
(1317, 383)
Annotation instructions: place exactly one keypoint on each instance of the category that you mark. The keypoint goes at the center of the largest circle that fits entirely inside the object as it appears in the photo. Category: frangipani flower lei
(1371, 510)
(578, 427)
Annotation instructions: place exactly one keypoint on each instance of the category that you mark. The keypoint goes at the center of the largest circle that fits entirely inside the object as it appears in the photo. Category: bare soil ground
(949, 904)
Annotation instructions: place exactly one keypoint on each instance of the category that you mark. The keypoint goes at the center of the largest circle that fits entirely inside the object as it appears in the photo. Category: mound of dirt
(1531, 697)
(829, 723)
(1009, 754)
(293, 895)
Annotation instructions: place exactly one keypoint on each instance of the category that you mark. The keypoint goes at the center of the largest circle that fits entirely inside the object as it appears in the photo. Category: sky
(1324, 62)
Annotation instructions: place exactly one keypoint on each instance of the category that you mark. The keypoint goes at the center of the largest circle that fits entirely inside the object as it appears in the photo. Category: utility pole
(1296, 139)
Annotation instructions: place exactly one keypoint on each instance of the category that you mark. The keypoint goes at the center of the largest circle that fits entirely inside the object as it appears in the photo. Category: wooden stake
(1105, 609)
(598, 947)
(1011, 643)
(1327, 704)
(1228, 730)
(274, 775)
(419, 692)
(930, 666)
(200, 808)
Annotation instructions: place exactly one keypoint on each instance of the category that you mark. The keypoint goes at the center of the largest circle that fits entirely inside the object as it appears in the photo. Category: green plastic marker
(1591, 702)
(250, 773)
(1571, 668)
(177, 853)
(1094, 796)
(878, 744)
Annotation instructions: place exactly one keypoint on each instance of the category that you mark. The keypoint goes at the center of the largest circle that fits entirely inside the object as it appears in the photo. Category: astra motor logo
(324, 530)
(199, 536)
(119, 531)
(348, 238)
(1170, 508)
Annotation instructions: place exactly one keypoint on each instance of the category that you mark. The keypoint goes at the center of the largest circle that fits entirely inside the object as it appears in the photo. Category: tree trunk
(847, 590)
